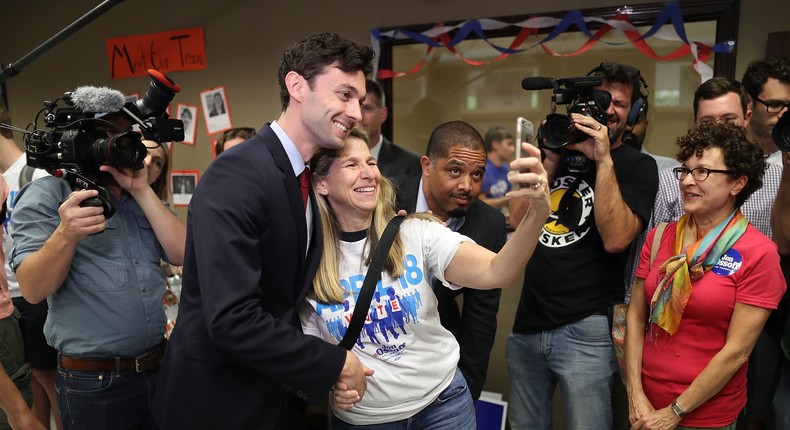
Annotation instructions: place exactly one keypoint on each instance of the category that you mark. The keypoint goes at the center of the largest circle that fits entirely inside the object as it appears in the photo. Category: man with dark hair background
(768, 84)
(393, 160)
(449, 186)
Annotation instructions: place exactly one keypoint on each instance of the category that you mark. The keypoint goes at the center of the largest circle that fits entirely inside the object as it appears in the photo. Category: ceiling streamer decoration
(448, 37)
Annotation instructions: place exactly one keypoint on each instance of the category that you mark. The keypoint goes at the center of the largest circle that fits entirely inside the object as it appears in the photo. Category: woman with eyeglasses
(703, 292)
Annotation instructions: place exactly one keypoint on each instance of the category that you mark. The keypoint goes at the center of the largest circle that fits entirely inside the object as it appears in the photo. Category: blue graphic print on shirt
(392, 308)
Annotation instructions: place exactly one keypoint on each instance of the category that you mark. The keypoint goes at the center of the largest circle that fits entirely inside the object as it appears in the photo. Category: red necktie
(304, 185)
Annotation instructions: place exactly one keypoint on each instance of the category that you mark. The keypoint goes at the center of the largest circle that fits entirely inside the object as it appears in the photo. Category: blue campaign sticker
(729, 263)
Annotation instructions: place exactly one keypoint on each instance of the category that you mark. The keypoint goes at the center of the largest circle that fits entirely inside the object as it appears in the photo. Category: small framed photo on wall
(183, 183)
(188, 115)
(216, 110)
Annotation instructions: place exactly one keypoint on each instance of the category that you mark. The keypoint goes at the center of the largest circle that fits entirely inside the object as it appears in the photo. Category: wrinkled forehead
(460, 155)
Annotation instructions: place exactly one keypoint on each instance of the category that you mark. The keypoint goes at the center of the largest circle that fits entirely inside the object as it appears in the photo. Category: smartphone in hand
(523, 133)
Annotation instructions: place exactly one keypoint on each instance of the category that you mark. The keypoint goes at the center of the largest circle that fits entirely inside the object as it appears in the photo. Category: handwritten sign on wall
(166, 51)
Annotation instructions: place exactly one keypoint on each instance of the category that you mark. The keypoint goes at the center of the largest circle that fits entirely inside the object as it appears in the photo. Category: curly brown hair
(740, 155)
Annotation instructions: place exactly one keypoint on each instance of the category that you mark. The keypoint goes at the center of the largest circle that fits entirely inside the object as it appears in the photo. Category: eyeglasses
(698, 174)
(773, 107)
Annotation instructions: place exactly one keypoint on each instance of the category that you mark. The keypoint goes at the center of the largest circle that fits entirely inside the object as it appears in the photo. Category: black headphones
(639, 106)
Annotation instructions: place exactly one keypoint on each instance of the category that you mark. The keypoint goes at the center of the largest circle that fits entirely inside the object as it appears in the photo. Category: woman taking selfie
(416, 380)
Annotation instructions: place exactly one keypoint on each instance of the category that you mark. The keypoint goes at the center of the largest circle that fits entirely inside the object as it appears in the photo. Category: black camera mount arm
(14, 68)
(76, 180)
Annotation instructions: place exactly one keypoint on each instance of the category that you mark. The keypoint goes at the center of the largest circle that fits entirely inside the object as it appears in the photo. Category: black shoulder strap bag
(372, 277)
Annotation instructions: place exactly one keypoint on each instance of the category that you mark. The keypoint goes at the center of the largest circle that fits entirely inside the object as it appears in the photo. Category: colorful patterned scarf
(684, 267)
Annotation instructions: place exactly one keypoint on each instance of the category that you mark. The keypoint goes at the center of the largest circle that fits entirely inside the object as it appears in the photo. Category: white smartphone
(523, 133)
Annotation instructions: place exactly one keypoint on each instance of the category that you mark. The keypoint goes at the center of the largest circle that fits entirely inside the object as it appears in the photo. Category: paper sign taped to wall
(167, 51)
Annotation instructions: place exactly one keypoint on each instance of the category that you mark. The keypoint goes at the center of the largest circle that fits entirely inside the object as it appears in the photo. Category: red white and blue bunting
(439, 37)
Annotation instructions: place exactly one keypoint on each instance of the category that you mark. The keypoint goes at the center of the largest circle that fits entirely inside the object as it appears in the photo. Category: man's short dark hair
(717, 87)
(496, 133)
(242, 132)
(5, 118)
(310, 56)
(453, 134)
(621, 73)
(373, 87)
(759, 71)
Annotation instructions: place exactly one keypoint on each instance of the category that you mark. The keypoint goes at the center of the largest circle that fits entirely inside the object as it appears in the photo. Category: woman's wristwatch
(677, 409)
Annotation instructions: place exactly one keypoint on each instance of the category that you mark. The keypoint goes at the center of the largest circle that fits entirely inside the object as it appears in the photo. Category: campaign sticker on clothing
(729, 263)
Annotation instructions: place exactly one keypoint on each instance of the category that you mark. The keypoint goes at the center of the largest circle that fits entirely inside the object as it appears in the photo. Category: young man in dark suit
(449, 186)
(393, 161)
(237, 358)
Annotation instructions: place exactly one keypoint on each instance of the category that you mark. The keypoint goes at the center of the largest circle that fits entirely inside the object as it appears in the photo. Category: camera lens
(557, 130)
(123, 150)
(781, 133)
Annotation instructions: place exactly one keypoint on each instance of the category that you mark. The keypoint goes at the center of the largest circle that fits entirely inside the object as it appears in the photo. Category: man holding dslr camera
(103, 283)
(603, 192)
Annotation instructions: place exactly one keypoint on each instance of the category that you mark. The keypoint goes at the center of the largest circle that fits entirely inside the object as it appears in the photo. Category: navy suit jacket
(474, 327)
(395, 161)
(237, 357)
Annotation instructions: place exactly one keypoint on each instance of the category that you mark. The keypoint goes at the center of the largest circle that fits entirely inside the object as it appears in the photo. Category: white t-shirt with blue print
(413, 356)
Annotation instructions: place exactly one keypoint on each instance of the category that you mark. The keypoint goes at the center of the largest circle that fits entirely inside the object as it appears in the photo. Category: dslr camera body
(75, 146)
(580, 96)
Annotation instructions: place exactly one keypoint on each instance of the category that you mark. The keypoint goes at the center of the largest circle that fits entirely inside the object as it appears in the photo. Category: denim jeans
(105, 400)
(727, 427)
(452, 410)
(580, 358)
(782, 398)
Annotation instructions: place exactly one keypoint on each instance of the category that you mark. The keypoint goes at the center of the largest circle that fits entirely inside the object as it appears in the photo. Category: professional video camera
(781, 133)
(77, 143)
(580, 96)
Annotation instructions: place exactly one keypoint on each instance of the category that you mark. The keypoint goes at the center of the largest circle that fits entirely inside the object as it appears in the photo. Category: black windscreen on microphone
(537, 83)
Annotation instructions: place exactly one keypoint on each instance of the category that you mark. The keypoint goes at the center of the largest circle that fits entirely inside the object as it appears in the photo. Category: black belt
(142, 363)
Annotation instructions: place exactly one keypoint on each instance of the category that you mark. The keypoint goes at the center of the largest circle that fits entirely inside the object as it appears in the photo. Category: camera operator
(562, 332)
(104, 287)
